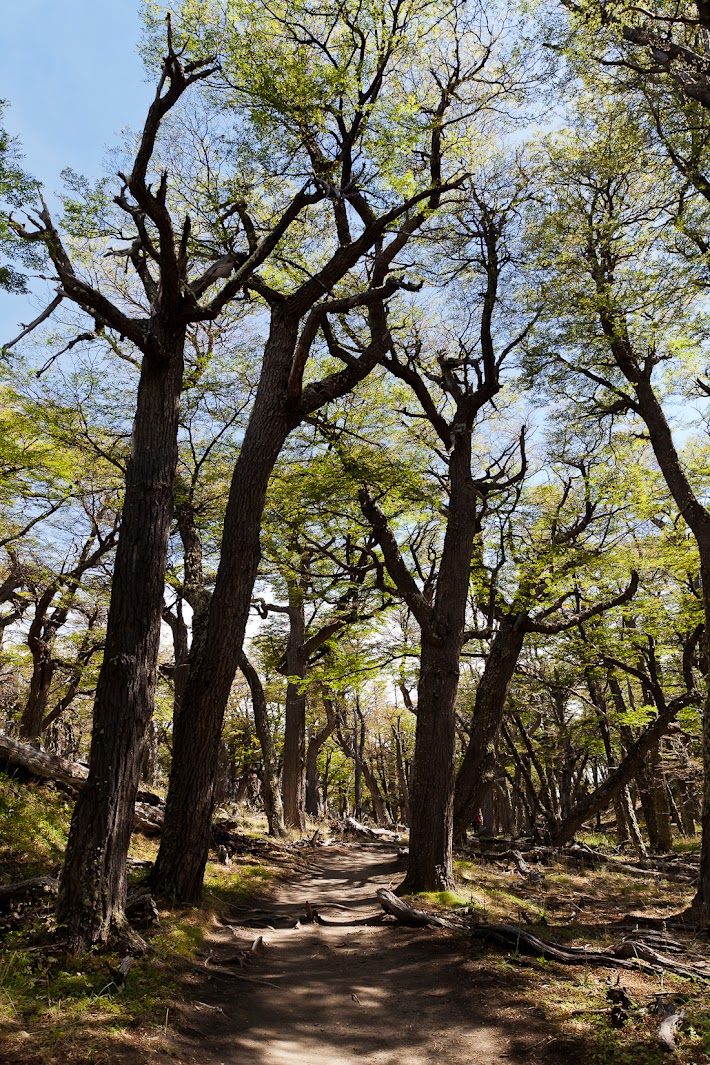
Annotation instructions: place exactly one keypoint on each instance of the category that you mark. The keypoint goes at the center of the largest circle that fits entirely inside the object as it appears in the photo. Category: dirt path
(340, 995)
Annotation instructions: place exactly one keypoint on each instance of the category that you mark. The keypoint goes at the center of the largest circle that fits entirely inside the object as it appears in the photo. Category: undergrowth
(60, 1009)
(34, 822)
(584, 906)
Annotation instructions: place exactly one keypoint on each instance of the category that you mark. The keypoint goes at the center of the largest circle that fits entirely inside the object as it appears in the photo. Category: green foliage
(17, 190)
(34, 823)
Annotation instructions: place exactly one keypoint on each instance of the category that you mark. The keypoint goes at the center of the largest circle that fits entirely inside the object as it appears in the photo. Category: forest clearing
(355, 534)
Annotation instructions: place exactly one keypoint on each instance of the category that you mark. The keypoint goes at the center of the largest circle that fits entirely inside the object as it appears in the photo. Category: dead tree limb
(630, 954)
(668, 1029)
(406, 914)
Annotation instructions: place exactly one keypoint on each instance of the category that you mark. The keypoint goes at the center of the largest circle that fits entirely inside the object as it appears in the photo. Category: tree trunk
(648, 805)
(179, 867)
(625, 801)
(293, 779)
(92, 888)
(326, 782)
(685, 807)
(701, 902)
(35, 708)
(697, 517)
(150, 771)
(660, 801)
(403, 783)
(270, 776)
(358, 745)
(478, 765)
(617, 779)
(430, 866)
(379, 807)
(315, 744)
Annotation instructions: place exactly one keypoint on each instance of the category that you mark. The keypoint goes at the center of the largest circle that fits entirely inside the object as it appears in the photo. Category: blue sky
(72, 76)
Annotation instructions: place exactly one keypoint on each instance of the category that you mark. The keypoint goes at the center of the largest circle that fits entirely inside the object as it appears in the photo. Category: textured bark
(479, 761)
(179, 867)
(92, 889)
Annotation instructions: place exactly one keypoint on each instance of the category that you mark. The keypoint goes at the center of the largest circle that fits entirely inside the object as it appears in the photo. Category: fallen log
(383, 835)
(27, 891)
(40, 765)
(406, 914)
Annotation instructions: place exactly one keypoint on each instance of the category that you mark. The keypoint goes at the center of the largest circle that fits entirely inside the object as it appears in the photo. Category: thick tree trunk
(35, 708)
(478, 765)
(179, 868)
(92, 889)
(293, 778)
(270, 775)
(430, 865)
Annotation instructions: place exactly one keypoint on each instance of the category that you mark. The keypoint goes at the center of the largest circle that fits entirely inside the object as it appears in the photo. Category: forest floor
(341, 995)
(335, 995)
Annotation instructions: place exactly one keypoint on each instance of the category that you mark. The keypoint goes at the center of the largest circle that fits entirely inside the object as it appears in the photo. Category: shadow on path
(338, 995)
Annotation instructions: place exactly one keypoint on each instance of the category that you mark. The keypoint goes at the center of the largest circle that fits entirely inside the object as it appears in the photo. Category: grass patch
(34, 824)
(449, 900)
(72, 1007)
(238, 884)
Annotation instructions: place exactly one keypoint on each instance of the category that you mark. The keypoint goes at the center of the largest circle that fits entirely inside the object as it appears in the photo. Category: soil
(387, 994)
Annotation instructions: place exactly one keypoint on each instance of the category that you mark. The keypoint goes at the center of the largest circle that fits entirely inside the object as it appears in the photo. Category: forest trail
(338, 995)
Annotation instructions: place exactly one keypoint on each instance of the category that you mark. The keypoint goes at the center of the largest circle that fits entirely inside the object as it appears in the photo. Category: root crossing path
(346, 993)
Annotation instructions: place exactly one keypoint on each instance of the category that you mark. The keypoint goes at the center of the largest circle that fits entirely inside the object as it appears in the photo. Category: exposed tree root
(630, 954)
